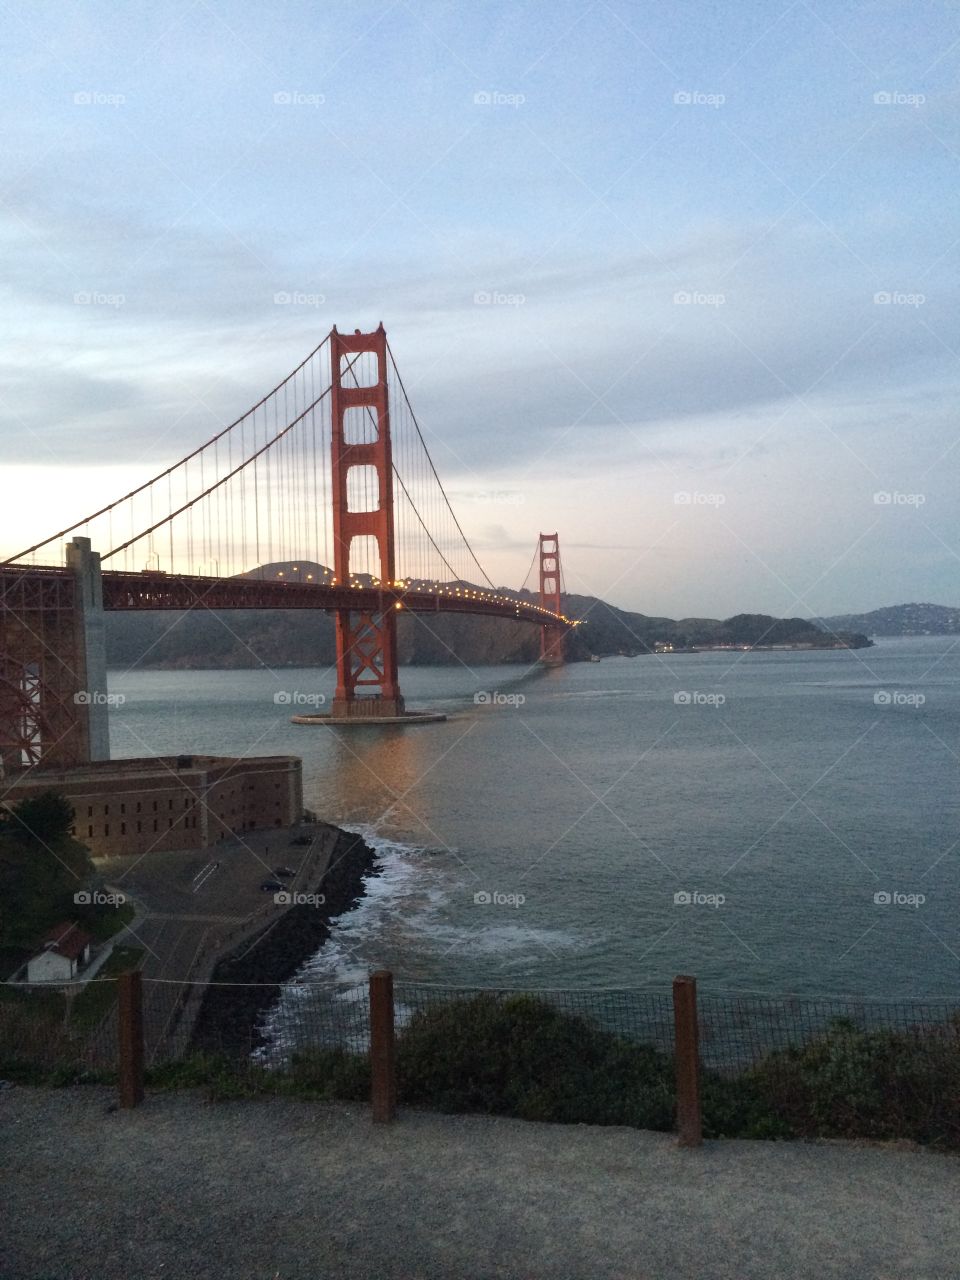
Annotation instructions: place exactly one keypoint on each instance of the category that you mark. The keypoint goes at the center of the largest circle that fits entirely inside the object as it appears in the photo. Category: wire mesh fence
(739, 1031)
(766, 1066)
(58, 1033)
(736, 1030)
(643, 1017)
(805, 1065)
(58, 1026)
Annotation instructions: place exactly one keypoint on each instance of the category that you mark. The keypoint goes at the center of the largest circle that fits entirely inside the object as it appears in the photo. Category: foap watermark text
(487, 898)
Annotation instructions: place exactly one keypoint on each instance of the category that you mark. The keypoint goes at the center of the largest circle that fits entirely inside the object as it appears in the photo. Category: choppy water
(599, 798)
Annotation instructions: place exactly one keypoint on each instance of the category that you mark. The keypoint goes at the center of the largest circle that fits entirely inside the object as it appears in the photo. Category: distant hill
(900, 620)
(202, 638)
(608, 630)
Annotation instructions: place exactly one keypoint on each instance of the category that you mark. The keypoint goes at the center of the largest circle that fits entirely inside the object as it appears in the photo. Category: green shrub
(882, 1084)
(520, 1056)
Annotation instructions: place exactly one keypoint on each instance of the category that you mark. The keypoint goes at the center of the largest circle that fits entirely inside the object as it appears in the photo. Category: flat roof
(97, 770)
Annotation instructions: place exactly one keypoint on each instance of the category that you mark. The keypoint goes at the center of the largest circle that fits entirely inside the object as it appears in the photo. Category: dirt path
(287, 1190)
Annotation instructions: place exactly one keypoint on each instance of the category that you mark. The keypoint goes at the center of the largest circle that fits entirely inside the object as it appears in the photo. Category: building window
(89, 810)
(106, 828)
(170, 806)
(123, 808)
(154, 806)
(89, 831)
(106, 810)
(123, 828)
(138, 806)
(154, 824)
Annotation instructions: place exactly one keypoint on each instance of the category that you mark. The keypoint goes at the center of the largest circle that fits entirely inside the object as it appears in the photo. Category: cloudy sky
(679, 281)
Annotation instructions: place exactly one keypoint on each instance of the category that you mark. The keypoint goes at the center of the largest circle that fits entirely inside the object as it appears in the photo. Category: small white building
(65, 949)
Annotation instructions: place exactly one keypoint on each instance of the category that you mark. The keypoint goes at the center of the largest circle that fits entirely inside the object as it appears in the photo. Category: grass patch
(222, 1078)
(315, 1074)
(106, 924)
(91, 1005)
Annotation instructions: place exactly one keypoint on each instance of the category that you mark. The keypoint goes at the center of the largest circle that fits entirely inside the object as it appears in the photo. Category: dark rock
(252, 974)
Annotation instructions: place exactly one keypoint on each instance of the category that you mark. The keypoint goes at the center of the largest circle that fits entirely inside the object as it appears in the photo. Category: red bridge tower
(366, 639)
(551, 635)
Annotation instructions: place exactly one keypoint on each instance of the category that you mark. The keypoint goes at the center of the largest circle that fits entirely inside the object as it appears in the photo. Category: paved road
(287, 1190)
(192, 904)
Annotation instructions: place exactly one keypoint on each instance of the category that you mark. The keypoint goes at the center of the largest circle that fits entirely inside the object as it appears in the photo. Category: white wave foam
(606, 693)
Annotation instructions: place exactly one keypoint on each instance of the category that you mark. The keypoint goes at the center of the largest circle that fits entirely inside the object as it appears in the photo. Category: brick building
(136, 806)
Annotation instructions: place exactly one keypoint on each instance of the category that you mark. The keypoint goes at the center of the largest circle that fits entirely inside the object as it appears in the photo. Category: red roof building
(67, 939)
(62, 951)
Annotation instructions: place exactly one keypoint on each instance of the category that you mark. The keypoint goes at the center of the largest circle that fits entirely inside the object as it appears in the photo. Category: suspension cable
(434, 470)
(160, 475)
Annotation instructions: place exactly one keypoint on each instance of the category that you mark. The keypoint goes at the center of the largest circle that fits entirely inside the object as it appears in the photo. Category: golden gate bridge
(331, 469)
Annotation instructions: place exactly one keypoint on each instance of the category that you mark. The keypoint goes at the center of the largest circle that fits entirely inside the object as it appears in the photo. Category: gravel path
(289, 1190)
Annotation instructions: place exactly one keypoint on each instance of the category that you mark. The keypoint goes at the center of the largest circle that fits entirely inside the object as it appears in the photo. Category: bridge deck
(151, 590)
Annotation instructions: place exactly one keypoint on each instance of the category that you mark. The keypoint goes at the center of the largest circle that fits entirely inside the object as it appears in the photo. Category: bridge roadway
(148, 589)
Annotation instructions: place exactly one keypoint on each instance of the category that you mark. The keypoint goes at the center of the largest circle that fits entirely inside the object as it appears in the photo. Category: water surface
(786, 792)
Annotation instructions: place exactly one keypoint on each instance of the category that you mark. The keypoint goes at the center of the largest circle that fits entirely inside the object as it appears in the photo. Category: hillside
(609, 630)
(251, 638)
(901, 620)
(301, 638)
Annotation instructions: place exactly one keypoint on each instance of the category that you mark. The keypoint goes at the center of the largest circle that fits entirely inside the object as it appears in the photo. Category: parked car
(301, 840)
(283, 873)
(271, 886)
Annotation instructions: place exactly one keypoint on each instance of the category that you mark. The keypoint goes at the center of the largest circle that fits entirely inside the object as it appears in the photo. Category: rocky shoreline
(230, 1014)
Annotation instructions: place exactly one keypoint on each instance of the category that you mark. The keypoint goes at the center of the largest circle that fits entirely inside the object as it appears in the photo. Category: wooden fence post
(130, 1028)
(687, 1059)
(383, 1080)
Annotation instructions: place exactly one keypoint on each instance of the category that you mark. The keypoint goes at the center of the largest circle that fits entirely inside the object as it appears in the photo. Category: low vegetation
(519, 1056)
(95, 999)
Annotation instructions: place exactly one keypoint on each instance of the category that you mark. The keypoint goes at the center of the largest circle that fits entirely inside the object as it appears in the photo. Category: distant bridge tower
(551, 635)
(366, 639)
(53, 676)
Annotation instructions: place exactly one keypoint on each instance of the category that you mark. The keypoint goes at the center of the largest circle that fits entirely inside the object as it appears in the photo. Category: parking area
(223, 883)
